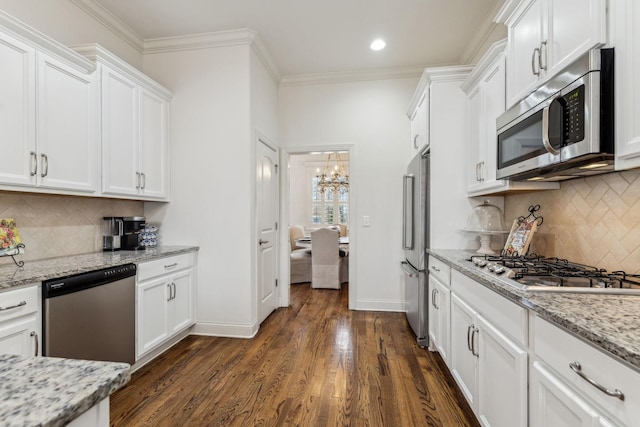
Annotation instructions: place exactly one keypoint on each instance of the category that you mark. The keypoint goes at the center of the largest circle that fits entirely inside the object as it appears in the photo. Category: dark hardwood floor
(315, 363)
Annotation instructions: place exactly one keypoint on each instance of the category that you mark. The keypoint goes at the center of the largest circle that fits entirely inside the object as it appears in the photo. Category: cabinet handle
(482, 171)
(415, 141)
(473, 340)
(433, 303)
(137, 180)
(577, 368)
(477, 172)
(20, 304)
(169, 286)
(435, 268)
(34, 334)
(45, 165)
(144, 181)
(34, 163)
(540, 66)
(175, 291)
(533, 61)
(170, 265)
(469, 338)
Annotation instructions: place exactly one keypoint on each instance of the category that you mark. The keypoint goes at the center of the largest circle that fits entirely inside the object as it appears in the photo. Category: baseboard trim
(225, 330)
(380, 305)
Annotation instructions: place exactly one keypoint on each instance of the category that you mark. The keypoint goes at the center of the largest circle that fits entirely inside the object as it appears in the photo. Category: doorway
(309, 207)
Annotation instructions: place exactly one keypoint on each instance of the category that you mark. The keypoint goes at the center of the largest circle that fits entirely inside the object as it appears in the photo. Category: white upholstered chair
(325, 259)
(300, 259)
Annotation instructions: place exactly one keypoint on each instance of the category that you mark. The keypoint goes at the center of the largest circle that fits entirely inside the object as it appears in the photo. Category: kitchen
(183, 221)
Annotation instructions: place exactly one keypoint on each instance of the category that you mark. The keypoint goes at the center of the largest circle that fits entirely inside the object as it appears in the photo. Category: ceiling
(311, 37)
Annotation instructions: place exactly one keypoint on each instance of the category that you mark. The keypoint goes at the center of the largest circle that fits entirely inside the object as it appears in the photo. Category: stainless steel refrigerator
(415, 241)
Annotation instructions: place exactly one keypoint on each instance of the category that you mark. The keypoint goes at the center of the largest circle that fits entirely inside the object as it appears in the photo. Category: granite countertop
(37, 271)
(609, 322)
(47, 391)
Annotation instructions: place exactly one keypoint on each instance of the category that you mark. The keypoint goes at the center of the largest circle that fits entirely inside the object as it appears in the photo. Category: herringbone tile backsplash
(595, 221)
(52, 226)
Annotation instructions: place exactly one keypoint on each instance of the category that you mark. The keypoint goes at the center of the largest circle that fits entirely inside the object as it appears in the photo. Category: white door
(463, 360)
(267, 216)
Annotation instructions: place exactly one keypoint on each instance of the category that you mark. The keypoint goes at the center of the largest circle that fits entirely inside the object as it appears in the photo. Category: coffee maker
(132, 227)
(112, 229)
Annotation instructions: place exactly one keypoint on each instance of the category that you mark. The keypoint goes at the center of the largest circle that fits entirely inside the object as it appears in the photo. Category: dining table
(343, 243)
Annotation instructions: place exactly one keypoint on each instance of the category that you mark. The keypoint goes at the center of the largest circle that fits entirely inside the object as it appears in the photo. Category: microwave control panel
(573, 104)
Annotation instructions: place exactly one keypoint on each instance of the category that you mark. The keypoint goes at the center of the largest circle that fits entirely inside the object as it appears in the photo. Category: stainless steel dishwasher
(91, 315)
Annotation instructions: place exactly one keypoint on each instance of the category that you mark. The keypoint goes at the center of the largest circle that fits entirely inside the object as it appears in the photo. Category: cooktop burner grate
(536, 270)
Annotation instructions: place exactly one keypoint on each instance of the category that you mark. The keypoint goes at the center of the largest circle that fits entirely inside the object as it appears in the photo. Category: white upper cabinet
(48, 98)
(544, 36)
(625, 16)
(135, 129)
(67, 131)
(119, 134)
(419, 116)
(485, 89)
(17, 110)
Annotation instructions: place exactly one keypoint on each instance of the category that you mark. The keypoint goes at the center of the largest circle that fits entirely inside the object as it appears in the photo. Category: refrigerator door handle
(407, 212)
(408, 270)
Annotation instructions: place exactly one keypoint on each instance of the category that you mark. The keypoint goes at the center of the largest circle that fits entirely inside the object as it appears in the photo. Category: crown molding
(111, 22)
(488, 25)
(243, 36)
(240, 37)
(485, 62)
(351, 76)
(42, 42)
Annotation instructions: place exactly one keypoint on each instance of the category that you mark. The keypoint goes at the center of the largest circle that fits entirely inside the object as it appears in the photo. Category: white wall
(68, 24)
(370, 115)
(211, 179)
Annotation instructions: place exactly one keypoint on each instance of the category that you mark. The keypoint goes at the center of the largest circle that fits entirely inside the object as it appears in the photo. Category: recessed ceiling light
(378, 44)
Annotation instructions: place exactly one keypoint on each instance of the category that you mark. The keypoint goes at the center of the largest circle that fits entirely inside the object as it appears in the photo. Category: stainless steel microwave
(564, 129)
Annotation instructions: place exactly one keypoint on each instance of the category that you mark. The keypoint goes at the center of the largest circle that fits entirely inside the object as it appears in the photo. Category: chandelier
(335, 179)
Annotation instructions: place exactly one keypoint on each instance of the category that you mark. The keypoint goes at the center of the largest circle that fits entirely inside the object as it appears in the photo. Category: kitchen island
(47, 391)
(608, 322)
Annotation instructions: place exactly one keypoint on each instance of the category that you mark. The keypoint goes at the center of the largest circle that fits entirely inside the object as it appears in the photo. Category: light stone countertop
(34, 272)
(609, 322)
(48, 392)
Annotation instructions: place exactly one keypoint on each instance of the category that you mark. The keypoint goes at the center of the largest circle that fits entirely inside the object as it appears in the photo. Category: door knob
(262, 242)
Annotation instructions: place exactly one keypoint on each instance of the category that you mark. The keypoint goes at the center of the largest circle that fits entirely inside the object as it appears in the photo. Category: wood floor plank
(315, 363)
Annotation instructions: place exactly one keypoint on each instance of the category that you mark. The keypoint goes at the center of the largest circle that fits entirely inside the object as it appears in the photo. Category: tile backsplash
(52, 226)
(594, 221)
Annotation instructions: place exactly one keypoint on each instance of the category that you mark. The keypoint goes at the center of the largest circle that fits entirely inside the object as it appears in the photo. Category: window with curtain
(328, 207)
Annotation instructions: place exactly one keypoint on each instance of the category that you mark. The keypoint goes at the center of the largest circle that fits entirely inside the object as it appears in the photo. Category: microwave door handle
(545, 130)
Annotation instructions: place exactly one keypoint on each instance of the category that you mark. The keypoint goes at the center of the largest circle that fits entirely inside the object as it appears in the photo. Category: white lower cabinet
(164, 293)
(464, 366)
(19, 322)
(555, 404)
(576, 384)
(502, 378)
(439, 303)
(489, 366)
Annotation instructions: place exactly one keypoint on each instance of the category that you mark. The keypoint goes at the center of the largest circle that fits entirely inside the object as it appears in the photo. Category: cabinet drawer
(510, 317)
(559, 349)
(440, 270)
(18, 302)
(150, 269)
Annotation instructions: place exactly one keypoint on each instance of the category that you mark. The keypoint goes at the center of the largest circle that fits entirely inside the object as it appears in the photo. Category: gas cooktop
(538, 273)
